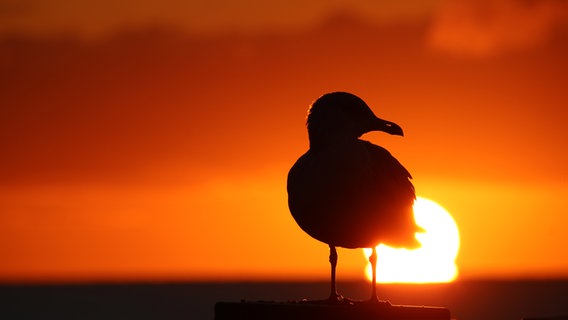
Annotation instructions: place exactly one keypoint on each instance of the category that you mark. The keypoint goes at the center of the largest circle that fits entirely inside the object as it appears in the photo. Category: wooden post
(317, 310)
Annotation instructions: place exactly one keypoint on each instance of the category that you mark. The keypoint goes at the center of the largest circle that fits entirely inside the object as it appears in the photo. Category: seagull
(347, 192)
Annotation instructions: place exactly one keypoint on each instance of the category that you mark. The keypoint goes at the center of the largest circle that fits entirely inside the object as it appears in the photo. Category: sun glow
(434, 261)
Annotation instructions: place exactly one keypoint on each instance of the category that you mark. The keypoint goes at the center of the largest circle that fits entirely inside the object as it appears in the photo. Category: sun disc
(434, 261)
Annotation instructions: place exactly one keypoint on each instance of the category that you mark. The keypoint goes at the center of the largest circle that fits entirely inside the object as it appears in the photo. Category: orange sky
(154, 141)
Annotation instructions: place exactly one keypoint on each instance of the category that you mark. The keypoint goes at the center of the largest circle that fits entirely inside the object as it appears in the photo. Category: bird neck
(329, 141)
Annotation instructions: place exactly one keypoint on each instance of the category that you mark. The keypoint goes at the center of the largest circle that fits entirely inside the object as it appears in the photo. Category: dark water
(465, 299)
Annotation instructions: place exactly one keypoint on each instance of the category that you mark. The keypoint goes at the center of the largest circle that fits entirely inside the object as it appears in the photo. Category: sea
(466, 299)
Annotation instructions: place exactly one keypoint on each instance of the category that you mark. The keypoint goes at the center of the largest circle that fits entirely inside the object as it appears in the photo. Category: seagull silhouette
(347, 192)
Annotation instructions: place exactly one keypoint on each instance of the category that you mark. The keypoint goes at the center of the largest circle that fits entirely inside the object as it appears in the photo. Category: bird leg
(333, 296)
(373, 261)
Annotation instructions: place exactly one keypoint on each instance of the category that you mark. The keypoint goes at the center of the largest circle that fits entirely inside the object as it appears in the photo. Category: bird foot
(336, 298)
(376, 301)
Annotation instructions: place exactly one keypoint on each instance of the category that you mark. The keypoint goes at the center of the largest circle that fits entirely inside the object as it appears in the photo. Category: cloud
(17, 9)
(93, 19)
(487, 27)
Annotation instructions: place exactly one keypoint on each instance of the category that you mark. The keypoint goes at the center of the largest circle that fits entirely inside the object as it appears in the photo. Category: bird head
(339, 115)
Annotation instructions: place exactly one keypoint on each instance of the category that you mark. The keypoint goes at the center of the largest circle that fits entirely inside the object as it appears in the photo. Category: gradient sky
(147, 140)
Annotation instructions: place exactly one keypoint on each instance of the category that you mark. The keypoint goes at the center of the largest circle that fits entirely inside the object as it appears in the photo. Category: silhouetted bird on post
(348, 192)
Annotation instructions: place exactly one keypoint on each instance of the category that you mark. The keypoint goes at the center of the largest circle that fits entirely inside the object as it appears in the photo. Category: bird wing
(391, 196)
(391, 171)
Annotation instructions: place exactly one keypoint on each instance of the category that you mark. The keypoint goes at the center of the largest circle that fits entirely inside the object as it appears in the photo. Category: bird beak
(386, 126)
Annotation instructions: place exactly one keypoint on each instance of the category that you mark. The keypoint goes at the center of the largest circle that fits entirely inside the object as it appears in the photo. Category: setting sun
(434, 261)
